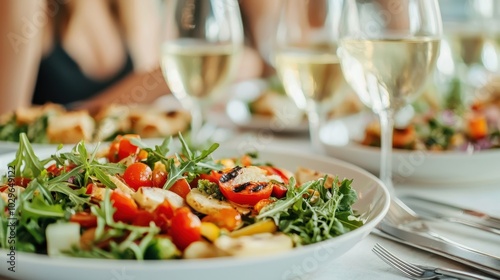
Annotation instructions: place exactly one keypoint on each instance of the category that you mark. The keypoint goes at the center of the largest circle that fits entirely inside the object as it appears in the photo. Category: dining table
(360, 262)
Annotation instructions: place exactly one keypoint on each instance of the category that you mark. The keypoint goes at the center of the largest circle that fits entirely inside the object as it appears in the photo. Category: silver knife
(487, 263)
(476, 216)
(428, 213)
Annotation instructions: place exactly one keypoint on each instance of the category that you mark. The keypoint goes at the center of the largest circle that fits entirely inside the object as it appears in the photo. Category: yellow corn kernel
(210, 231)
(143, 155)
(160, 166)
(259, 227)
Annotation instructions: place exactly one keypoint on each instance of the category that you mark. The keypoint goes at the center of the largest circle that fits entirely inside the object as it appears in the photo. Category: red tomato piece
(185, 229)
(247, 193)
(159, 178)
(86, 220)
(181, 187)
(21, 181)
(126, 208)
(113, 149)
(165, 209)
(138, 175)
(143, 218)
(90, 188)
(126, 148)
(279, 191)
(163, 214)
(53, 169)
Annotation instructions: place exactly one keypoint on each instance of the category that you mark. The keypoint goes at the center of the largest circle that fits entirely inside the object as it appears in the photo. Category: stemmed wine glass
(305, 57)
(202, 40)
(387, 50)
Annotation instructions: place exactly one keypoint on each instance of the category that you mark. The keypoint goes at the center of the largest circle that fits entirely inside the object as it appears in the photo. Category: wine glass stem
(196, 121)
(316, 122)
(386, 132)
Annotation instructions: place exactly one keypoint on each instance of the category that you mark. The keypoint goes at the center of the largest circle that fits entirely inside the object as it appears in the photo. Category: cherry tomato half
(126, 208)
(163, 215)
(159, 178)
(126, 148)
(185, 229)
(121, 147)
(248, 193)
(138, 175)
(181, 187)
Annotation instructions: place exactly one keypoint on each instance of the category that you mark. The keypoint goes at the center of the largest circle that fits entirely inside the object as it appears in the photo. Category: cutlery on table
(403, 225)
(414, 271)
(455, 213)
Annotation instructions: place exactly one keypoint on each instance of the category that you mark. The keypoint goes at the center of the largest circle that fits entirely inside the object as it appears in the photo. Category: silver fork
(414, 271)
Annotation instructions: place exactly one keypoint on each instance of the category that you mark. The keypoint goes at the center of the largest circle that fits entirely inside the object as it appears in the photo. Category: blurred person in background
(85, 54)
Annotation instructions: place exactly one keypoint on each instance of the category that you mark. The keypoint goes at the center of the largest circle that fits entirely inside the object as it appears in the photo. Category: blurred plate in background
(254, 104)
(341, 139)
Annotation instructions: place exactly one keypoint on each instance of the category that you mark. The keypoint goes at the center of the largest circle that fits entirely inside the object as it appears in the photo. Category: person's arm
(261, 17)
(137, 87)
(141, 27)
(21, 33)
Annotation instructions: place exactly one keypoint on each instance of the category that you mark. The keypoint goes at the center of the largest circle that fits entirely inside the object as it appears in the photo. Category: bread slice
(70, 127)
(28, 115)
(159, 124)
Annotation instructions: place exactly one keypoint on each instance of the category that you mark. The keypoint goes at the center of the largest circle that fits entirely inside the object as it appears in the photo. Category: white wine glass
(201, 43)
(305, 57)
(387, 50)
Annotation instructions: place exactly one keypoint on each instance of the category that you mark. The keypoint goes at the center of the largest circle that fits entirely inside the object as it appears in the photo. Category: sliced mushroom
(149, 198)
(204, 203)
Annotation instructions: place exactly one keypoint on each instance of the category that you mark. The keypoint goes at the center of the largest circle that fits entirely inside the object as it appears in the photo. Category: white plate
(373, 203)
(11, 146)
(341, 137)
(242, 93)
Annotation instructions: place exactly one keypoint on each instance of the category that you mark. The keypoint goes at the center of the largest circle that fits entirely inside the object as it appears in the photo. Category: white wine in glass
(388, 50)
(199, 53)
(389, 73)
(305, 57)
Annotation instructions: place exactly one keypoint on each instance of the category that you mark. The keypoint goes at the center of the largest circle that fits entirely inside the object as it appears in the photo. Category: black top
(60, 79)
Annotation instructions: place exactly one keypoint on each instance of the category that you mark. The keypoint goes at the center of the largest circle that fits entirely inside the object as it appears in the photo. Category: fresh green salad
(130, 201)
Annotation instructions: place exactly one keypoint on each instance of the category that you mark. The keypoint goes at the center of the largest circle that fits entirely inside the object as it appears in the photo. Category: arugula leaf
(194, 163)
(103, 177)
(26, 159)
(312, 213)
